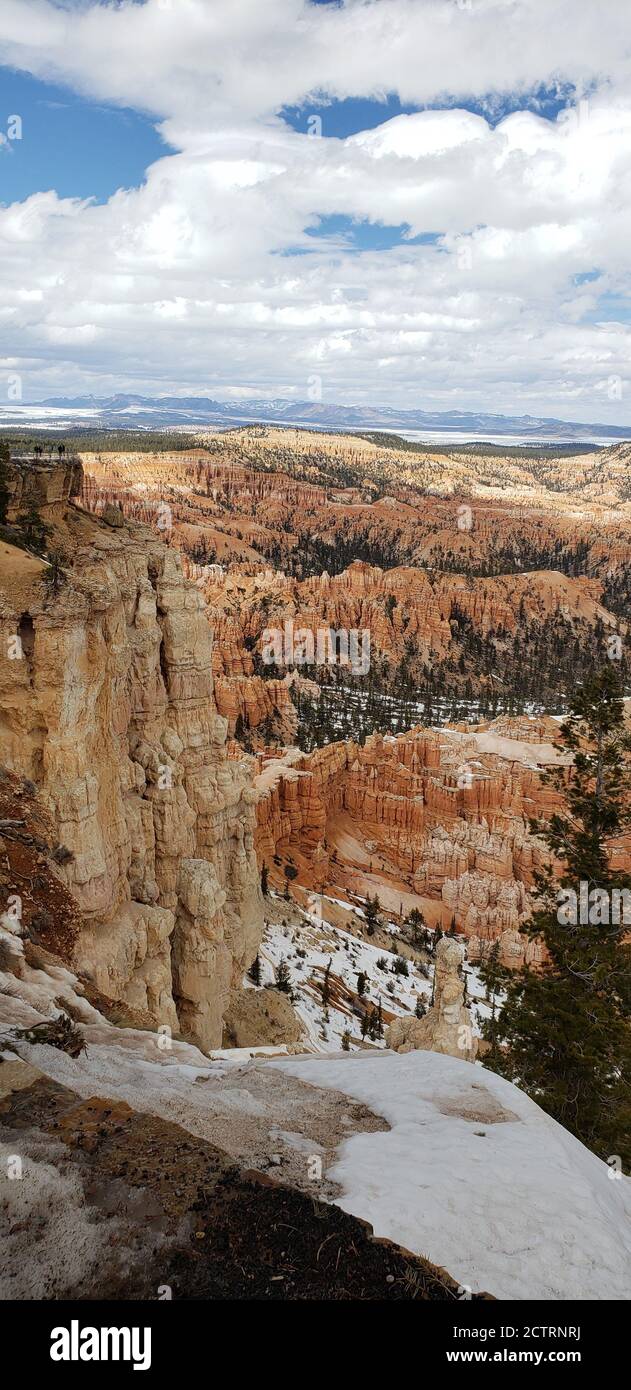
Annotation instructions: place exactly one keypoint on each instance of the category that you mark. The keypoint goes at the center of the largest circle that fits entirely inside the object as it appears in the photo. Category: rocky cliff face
(46, 488)
(433, 818)
(107, 705)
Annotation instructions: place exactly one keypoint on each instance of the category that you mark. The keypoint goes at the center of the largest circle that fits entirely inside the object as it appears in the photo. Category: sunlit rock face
(437, 818)
(108, 707)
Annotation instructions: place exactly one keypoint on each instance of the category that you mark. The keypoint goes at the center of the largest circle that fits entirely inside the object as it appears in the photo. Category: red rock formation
(436, 816)
(249, 494)
(255, 497)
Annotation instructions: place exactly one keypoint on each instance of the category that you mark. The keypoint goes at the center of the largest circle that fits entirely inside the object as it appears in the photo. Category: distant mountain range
(173, 412)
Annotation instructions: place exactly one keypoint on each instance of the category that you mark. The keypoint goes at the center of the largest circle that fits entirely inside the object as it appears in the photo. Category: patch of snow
(307, 948)
(322, 942)
(477, 1178)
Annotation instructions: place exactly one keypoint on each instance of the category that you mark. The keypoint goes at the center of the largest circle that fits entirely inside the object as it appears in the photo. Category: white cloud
(426, 133)
(190, 281)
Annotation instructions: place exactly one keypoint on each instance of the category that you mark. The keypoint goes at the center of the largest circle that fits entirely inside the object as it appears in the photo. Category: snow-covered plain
(473, 1175)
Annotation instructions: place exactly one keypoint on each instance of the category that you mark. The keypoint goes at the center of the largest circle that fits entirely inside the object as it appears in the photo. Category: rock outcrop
(262, 1017)
(436, 818)
(45, 488)
(107, 706)
(447, 1026)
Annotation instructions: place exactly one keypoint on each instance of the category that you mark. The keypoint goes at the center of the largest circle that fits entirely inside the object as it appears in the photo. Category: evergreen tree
(254, 973)
(264, 880)
(566, 1025)
(420, 1010)
(371, 913)
(375, 1023)
(493, 976)
(361, 983)
(35, 531)
(416, 923)
(346, 1041)
(54, 577)
(326, 983)
(283, 978)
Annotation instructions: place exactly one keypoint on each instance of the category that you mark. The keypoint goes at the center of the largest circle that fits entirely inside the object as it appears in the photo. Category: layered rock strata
(441, 815)
(107, 704)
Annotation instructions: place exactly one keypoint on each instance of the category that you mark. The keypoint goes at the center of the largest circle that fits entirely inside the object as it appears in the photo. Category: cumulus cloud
(208, 277)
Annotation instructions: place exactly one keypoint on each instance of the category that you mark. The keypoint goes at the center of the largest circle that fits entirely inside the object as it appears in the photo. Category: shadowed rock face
(111, 714)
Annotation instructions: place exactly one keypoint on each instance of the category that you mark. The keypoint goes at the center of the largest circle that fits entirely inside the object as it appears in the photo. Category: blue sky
(347, 117)
(81, 148)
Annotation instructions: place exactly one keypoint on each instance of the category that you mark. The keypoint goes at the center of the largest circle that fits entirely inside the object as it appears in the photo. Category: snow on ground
(473, 1175)
(383, 711)
(308, 947)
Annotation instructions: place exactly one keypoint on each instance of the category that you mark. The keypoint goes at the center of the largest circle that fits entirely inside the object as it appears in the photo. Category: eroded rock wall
(107, 705)
(440, 812)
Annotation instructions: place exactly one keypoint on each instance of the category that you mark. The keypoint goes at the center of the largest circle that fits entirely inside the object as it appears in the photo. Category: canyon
(483, 581)
(309, 503)
(201, 916)
(140, 692)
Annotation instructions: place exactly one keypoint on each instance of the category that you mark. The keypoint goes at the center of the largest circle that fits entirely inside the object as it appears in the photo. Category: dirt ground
(268, 1121)
(121, 1205)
